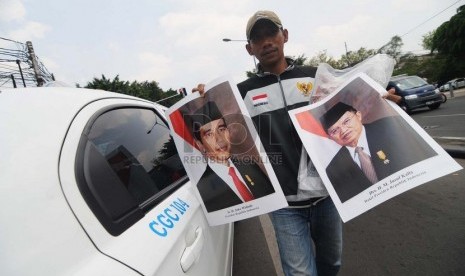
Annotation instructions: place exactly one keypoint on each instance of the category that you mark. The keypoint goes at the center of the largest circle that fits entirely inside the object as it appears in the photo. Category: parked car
(415, 92)
(457, 83)
(91, 184)
(444, 87)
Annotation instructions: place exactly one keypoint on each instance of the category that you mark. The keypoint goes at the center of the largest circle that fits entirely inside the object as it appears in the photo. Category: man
(226, 181)
(369, 152)
(310, 217)
(312, 220)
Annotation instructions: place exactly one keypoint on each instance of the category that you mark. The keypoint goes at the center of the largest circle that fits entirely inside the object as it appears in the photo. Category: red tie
(245, 193)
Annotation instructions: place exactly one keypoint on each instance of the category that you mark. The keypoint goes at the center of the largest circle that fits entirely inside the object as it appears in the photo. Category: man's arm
(391, 95)
(200, 88)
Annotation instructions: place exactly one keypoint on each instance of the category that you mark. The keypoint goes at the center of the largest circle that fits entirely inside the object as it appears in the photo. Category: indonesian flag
(260, 99)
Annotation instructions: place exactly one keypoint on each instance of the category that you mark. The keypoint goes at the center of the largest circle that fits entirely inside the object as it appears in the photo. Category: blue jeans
(297, 228)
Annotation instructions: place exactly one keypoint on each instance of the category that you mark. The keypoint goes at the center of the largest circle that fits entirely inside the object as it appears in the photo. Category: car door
(125, 183)
(458, 83)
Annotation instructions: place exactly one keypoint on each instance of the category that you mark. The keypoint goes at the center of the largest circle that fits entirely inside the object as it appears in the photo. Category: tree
(114, 85)
(424, 66)
(145, 90)
(449, 38)
(299, 60)
(352, 58)
(393, 47)
(449, 41)
(322, 57)
(427, 41)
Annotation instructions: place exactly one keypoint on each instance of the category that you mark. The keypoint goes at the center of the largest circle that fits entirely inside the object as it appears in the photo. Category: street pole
(13, 80)
(347, 55)
(21, 72)
(241, 40)
(35, 66)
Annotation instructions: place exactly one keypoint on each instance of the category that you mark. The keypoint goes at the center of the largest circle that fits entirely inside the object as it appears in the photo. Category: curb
(454, 146)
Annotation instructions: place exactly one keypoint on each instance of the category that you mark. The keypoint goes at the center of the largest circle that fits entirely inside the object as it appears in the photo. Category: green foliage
(393, 47)
(425, 66)
(300, 60)
(348, 60)
(427, 41)
(322, 57)
(250, 74)
(449, 41)
(145, 90)
(449, 38)
(352, 58)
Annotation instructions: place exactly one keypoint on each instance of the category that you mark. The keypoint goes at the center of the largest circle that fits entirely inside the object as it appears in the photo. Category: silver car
(457, 83)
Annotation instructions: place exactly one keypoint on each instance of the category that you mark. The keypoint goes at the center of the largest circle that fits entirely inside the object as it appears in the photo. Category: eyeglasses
(337, 130)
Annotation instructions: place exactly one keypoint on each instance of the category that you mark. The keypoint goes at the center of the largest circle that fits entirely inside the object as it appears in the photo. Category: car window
(410, 82)
(128, 164)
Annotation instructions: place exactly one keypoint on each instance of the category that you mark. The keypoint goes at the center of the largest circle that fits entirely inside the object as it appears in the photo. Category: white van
(91, 184)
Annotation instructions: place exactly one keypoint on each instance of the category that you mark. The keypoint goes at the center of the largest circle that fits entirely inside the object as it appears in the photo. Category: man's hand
(200, 88)
(391, 95)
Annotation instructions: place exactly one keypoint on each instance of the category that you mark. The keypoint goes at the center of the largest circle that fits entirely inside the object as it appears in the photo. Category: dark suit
(398, 141)
(217, 195)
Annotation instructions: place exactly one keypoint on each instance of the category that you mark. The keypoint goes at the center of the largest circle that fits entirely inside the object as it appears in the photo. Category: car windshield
(410, 82)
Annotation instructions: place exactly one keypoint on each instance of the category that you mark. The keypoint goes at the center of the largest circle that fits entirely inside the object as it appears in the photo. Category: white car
(91, 184)
(444, 87)
(458, 83)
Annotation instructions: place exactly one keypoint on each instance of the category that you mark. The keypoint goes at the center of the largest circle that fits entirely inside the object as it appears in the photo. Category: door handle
(192, 252)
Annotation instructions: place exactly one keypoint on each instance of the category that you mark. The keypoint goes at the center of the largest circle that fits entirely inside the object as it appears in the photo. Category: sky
(178, 43)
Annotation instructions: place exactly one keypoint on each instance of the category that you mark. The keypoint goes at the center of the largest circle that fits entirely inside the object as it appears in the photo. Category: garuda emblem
(305, 88)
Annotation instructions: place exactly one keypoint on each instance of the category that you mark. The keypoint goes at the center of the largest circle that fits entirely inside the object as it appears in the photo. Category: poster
(223, 156)
(366, 149)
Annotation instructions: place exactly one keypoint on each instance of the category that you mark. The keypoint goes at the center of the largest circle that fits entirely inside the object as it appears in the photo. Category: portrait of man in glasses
(369, 152)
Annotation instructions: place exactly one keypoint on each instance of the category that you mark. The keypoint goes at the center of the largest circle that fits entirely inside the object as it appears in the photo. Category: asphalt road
(446, 121)
(420, 232)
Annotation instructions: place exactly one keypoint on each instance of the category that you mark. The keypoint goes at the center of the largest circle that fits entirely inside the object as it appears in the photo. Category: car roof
(401, 77)
(35, 121)
(58, 93)
(32, 111)
(64, 98)
(398, 77)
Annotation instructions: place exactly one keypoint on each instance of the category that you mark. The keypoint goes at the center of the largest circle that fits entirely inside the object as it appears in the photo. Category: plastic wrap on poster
(327, 79)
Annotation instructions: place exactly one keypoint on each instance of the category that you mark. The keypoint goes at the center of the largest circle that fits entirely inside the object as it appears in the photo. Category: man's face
(215, 140)
(346, 131)
(267, 43)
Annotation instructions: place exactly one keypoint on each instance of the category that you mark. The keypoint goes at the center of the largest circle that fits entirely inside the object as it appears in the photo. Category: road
(421, 232)
(446, 121)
